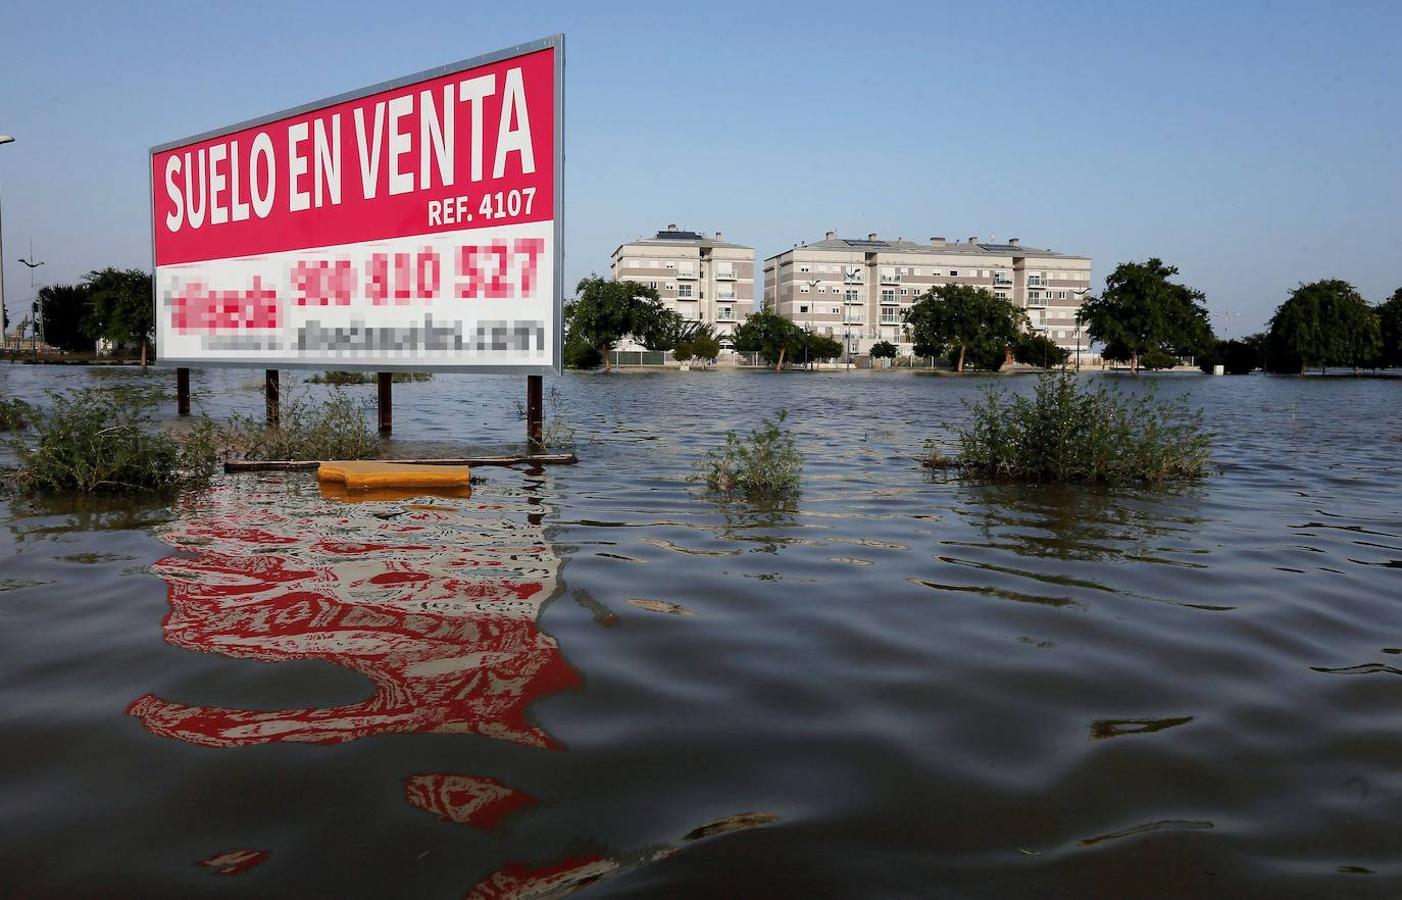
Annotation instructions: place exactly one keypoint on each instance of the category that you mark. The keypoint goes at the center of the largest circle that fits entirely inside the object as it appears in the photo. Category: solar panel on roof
(1002, 248)
(678, 236)
(865, 243)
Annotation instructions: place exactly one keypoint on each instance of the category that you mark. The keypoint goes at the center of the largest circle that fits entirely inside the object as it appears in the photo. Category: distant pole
(182, 391)
(535, 411)
(386, 402)
(270, 397)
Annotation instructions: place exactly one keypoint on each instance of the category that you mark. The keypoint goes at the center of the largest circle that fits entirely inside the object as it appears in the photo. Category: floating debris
(738, 822)
(1108, 728)
(1162, 825)
(661, 606)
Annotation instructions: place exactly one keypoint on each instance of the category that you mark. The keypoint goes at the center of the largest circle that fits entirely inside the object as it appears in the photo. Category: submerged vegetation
(764, 465)
(556, 433)
(14, 414)
(100, 439)
(336, 377)
(1066, 433)
(330, 429)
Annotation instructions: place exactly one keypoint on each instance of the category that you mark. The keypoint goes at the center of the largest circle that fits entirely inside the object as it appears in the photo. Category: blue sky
(1254, 145)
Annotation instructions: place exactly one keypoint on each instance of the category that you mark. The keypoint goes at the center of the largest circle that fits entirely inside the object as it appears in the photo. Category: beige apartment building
(706, 279)
(855, 290)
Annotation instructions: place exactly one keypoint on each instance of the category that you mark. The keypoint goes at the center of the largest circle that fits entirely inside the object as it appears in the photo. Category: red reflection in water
(234, 862)
(465, 799)
(435, 604)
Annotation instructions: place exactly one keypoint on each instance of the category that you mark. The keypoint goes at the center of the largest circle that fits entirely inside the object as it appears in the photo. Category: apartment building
(706, 279)
(855, 290)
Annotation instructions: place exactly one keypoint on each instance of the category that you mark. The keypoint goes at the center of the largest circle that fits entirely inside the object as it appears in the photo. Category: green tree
(122, 310)
(1142, 311)
(705, 346)
(1236, 357)
(63, 311)
(771, 335)
(820, 346)
(1032, 349)
(603, 312)
(883, 350)
(1324, 323)
(1390, 331)
(964, 321)
(658, 328)
(579, 353)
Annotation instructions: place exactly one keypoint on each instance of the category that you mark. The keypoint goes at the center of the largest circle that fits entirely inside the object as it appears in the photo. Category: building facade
(705, 279)
(856, 290)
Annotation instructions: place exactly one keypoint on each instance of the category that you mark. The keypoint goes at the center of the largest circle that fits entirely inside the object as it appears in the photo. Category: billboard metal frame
(555, 42)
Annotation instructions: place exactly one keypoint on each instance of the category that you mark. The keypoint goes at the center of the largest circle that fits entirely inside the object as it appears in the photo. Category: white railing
(725, 275)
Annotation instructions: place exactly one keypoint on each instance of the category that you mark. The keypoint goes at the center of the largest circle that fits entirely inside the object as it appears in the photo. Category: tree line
(1143, 317)
(110, 304)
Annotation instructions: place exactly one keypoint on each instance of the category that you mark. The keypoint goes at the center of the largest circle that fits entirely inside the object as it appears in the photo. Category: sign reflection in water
(435, 602)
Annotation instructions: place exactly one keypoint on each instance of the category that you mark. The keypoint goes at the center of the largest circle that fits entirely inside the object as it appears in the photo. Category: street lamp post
(4, 139)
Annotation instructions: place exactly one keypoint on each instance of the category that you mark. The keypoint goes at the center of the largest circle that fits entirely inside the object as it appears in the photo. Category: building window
(803, 267)
(671, 286)
(803, 308)
(953, 273)
(1034, 280)
(836, 310)
(725, 314)
(652, 284)
(852, 297)
(1034, 296)
(684, 290)
(803, 288)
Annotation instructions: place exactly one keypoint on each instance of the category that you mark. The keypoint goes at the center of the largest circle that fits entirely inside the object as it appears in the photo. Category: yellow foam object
(361, 475)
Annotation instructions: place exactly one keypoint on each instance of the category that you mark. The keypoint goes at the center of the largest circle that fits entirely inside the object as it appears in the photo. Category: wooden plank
(289, 465)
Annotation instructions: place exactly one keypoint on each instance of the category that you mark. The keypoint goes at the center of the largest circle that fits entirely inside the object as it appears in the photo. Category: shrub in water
(764, 465)
(102, 440)
(14, 414)
(338, 377)
(1066, 433)
(330, 429)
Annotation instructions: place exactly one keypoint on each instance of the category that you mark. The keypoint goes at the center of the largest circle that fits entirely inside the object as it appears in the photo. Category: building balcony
(725, 275)
(890, 278)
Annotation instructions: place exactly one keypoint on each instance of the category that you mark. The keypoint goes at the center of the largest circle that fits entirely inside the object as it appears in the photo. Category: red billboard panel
(414, 224)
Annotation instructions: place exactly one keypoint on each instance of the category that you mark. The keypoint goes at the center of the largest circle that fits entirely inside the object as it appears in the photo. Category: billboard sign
(415, 224)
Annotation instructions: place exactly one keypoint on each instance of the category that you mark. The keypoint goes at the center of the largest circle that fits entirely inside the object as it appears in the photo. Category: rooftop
(971, 247)
(672, 236)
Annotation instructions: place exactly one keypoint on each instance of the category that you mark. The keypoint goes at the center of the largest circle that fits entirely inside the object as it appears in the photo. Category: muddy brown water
(592, 678)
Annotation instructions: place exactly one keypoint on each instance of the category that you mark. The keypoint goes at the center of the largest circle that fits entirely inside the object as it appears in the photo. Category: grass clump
(764, 465)
(101, 440)
(1069, 434)
(15, 414)
(556, 433)
(336, 377)
(330, 429)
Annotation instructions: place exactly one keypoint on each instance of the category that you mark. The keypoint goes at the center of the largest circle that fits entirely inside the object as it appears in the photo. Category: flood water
(593, 677)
